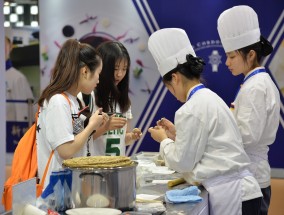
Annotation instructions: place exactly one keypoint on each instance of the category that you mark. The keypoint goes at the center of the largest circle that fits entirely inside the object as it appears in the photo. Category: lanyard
(248, 77)
(195, 89)
(254, 73)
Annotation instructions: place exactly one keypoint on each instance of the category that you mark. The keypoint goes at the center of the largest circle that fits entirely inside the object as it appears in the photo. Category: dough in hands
(137, 130)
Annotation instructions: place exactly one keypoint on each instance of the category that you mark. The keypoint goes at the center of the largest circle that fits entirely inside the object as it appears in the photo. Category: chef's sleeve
(251, 116)
(189, 146)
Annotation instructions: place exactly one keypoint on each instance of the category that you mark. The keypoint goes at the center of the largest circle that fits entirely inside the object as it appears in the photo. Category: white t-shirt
(208, 143)
(57, 124)
(257, 111)
(112, 142)
(17, 90)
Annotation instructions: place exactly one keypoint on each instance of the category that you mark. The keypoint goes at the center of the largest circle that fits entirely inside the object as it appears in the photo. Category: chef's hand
(115, 123)
(168, 126)
(158, 133)
(98, 119)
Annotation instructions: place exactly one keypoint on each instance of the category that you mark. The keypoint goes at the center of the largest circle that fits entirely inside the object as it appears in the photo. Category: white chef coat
(56, 127)
(112, 142)
(208, 143)
(17, 89)
(257, 111)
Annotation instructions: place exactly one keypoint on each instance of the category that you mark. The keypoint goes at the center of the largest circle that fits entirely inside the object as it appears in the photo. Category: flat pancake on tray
(98, 162)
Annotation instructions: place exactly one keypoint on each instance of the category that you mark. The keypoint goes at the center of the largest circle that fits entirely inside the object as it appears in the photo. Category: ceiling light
(6, 24)
(34, 10)
(19, 9)
(13, 17)
(20, 24)
(34, 23)
(6, 10)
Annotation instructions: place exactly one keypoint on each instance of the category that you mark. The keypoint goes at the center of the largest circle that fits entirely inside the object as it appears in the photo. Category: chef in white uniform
(204, 143)
(257, 103)
(18, 90)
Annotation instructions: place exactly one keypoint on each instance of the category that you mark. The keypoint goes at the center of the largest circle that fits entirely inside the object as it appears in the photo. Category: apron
(225, 193)
(255, 159)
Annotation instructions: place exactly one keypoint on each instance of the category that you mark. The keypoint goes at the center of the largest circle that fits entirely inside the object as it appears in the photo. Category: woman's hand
(158, 133)
(132, 136)
(168, 126)
(98, 119)
(136, 133)
(115, 122)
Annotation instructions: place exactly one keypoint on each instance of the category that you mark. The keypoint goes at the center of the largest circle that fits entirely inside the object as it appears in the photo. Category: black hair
(262, 49)
(107, 93)
(191, 69)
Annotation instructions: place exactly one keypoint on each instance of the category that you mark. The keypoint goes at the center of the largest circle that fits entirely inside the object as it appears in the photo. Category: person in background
(18, 90)
(204, 143)
(257, 104)
(60, 127)
(112, 95)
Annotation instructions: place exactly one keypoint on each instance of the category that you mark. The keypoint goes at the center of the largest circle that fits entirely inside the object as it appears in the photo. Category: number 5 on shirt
(111, 147)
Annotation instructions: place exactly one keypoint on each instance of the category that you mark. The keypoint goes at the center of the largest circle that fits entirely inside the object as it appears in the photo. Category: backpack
(24, 165)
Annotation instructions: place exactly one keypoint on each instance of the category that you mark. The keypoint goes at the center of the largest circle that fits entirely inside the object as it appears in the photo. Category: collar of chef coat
(187, 95)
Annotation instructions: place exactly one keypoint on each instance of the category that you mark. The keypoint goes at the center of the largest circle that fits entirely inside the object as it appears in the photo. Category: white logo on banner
(215, 57)
(215, 60)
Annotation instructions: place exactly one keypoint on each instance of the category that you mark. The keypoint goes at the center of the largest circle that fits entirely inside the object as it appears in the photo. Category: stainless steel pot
(104, 187)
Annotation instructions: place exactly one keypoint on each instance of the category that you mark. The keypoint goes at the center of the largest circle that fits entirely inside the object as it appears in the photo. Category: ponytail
(266, 47)
(194, 65)
(262, 49)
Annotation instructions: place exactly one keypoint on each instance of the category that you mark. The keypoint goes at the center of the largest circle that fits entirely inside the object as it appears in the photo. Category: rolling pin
(175, 182)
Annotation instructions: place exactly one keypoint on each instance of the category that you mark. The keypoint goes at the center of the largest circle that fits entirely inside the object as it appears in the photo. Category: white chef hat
(238, 27)
(169, 48)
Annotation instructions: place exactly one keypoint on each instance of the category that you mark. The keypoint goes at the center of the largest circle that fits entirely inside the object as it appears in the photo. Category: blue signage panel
(199, 20)
(14, 132)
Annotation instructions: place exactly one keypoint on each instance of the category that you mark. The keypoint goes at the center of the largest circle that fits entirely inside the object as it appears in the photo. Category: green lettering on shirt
(115, 132)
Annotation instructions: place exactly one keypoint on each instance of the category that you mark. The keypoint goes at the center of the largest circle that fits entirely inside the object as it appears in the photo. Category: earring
(85, 73)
